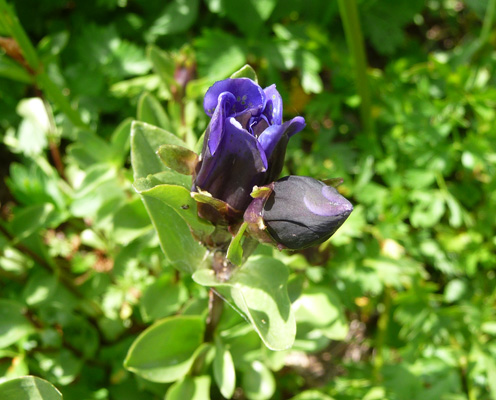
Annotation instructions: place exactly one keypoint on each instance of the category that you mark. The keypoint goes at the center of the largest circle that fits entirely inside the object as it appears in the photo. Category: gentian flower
(245, 141)
(296, 212)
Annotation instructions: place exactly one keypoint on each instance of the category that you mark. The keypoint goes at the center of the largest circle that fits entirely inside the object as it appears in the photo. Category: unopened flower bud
(297, 212)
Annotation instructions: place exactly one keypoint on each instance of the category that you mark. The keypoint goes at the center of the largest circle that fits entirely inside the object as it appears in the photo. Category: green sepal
(246, 71)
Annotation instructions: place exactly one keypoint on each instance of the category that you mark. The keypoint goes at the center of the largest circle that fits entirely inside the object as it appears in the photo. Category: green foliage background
(399, 98)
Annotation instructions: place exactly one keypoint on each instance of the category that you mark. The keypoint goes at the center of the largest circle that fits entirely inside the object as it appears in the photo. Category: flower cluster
(244, 148)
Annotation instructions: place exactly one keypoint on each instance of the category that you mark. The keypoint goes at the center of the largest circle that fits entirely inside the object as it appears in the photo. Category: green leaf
(145, 141)
(246, 72)
(383, 22)
(261, 293)
(191, 388)
(40, 287)
(34, 218)
(428, 208)
(319, 307)
(310, 68)
(130, 221)
(455, 290)
(491, 374)
(151, 111)
(219, 55)
(62, 367)
(224, 372)
(259, 290)
(119, 141)
(28, 388)
(165, 177)
(235, 250)
(13, 70)
(163, 64)
(134, 87)
(10, 25)
(258, 382)
(52, 45)
(162, 298)
(99, 191)
(179, 199)
(245, 16)
(178, 158)
(90, 148)
(13, 324)
(264, 8)
(177, 16)
(177, 243)
(183, 251)
(165, 351)
(311, 395)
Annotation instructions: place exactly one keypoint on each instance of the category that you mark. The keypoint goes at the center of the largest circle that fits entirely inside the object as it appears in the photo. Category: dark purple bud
(184, 73)
(245, 142)
(298, 212)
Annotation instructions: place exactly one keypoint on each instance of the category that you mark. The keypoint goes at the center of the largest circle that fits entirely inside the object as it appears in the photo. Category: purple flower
(296, 212)
(245, 142)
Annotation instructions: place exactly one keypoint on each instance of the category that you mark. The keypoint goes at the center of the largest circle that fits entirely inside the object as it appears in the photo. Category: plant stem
(487, 24)
(382, 326)
(353, 32)
(10, 23)
(215, 307)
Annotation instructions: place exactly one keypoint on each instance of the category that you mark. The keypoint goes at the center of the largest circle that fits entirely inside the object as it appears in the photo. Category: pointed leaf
(235, 250)
(245, 72)
(145, 141)
(151, 111)
(163, 64)
(184, 252)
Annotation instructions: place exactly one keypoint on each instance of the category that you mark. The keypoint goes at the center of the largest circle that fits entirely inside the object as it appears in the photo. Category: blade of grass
(488, 21)
(349, 15)
(10, 22)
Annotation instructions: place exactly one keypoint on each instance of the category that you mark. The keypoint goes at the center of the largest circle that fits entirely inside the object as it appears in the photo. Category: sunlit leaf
(28, 388)
(165, 351)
